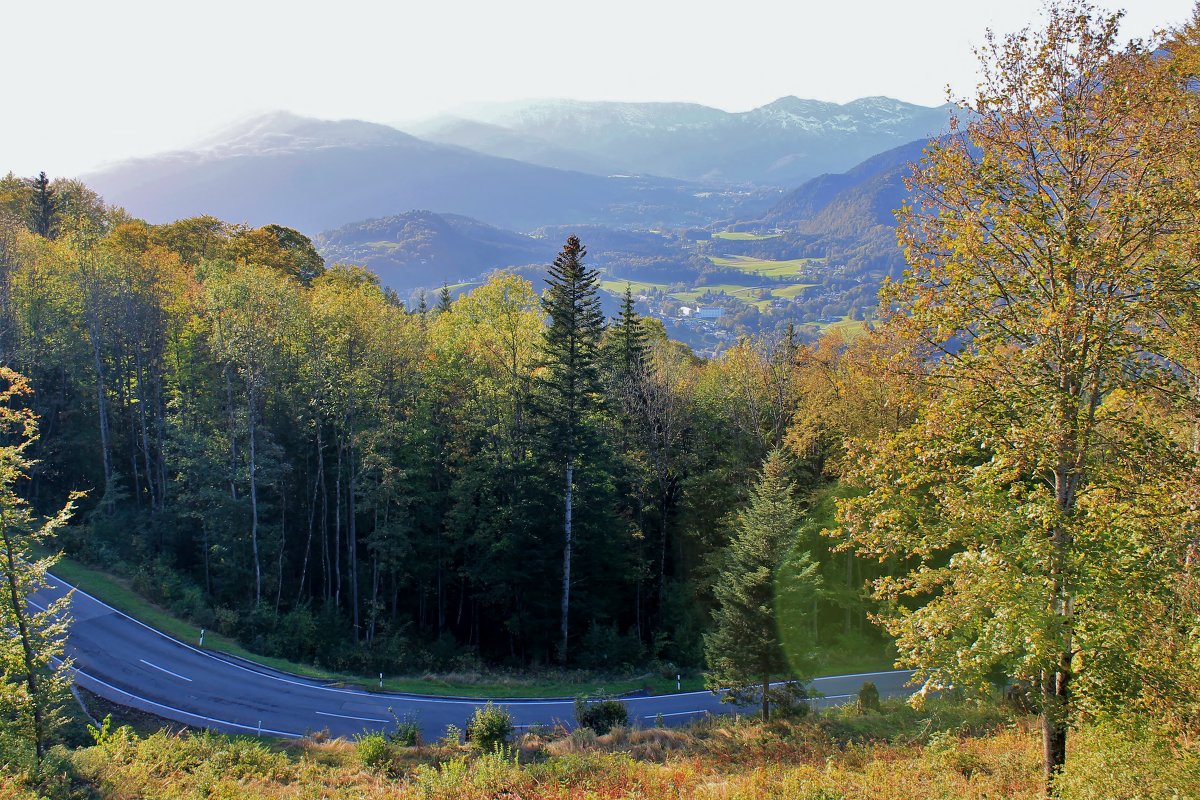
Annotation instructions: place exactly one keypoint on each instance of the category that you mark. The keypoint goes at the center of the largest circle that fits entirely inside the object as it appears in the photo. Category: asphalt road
(129, 663)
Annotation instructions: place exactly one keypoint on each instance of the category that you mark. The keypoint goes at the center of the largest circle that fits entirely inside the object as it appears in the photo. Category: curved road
(134, 665)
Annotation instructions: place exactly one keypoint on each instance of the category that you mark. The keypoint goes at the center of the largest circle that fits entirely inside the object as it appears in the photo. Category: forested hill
(420, 248)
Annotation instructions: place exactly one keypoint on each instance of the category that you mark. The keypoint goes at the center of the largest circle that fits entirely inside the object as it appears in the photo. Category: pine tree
(629, 337)
(751, 641)
(572, 378)
(43, 208)
(444, 300)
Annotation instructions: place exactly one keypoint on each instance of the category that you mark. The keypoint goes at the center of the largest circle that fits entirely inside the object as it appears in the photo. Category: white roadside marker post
(381, 680)
(202, 637)
(678, 682)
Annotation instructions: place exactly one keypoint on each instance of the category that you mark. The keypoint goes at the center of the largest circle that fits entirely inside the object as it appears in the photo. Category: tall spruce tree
(43, 208)
(629, 338)
(761, 626)
(572, 379)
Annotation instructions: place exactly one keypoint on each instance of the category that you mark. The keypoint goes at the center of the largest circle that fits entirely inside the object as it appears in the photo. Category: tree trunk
(352, 539)
(102, 410)
(1054, 724)
(253, 433)
(766, 698)
(566, 584)
(31, 677)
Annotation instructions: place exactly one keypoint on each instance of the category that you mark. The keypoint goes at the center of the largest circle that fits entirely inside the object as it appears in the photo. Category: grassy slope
(898, 754)
(742, 236)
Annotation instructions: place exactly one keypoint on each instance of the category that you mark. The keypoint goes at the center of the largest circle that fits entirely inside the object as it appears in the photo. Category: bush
(601, 716)
(1122, 761)
(407, 733)
(490, 728)
(374, 751)
(868, 698)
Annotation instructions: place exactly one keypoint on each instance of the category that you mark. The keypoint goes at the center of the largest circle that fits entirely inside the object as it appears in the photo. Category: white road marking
(680, 713)
(346, 716)
(132, 696)
(317, 686)
(160, 669)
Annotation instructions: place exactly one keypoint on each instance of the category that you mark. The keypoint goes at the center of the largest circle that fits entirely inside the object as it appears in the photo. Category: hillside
(781, 144)
(420, 248)
(317, 175)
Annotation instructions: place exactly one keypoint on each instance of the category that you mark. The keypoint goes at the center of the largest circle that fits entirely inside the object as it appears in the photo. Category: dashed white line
(347, 716)
(161, 669)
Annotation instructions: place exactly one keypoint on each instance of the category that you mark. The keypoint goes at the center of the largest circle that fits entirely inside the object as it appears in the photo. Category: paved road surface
(127, 662)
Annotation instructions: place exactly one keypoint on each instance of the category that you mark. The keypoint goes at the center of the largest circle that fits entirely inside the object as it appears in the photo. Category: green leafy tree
(751, 641)
(34, 676)
(1039, 500)
(572, 379)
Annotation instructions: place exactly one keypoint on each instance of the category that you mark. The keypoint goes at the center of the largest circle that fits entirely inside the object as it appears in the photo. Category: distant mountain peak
(285, 131)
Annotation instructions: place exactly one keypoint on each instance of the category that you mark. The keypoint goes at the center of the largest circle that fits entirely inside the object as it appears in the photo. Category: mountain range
(313, 175)
(781, 144)
(521, 166)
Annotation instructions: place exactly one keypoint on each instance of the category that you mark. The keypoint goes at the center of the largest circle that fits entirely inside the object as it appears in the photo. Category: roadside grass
(965, 751)
(745, 236)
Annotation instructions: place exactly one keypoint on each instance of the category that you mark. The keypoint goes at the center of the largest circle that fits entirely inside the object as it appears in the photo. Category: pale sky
(90, 81)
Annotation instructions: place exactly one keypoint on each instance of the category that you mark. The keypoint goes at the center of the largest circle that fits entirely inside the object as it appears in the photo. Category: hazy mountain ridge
(781, 143)
(315, 175)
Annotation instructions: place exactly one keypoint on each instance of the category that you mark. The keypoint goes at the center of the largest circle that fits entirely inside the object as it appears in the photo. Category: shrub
(407, 732)
(1123, 761)
(452, 737)
(490, 728)
(601, 716)
(373, 751)
(868, 698)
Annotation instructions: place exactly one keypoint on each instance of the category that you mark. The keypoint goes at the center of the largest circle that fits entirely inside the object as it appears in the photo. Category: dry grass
(806, 760)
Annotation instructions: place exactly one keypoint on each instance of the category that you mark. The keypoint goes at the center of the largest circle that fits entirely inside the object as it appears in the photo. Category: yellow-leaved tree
(1040, 495)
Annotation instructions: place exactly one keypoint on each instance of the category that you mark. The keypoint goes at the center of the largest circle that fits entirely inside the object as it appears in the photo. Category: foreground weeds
(897, 754)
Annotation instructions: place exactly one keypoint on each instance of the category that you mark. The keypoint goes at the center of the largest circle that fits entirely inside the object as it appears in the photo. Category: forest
(279, 450)
(1001, 472)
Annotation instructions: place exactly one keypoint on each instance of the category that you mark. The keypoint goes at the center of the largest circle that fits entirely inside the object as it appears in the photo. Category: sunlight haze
(121, 79)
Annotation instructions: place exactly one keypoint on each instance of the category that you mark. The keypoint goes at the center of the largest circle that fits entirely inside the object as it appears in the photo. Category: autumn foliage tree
(1038, 495)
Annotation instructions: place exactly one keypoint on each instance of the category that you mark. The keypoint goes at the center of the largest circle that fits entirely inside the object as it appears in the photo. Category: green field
(849, 328)
(741, 236)
(759, 266)
(745, 293)
(792, 291)
(639, 287)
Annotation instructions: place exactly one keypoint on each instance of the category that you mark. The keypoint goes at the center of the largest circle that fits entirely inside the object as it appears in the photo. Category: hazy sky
(88, 81)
